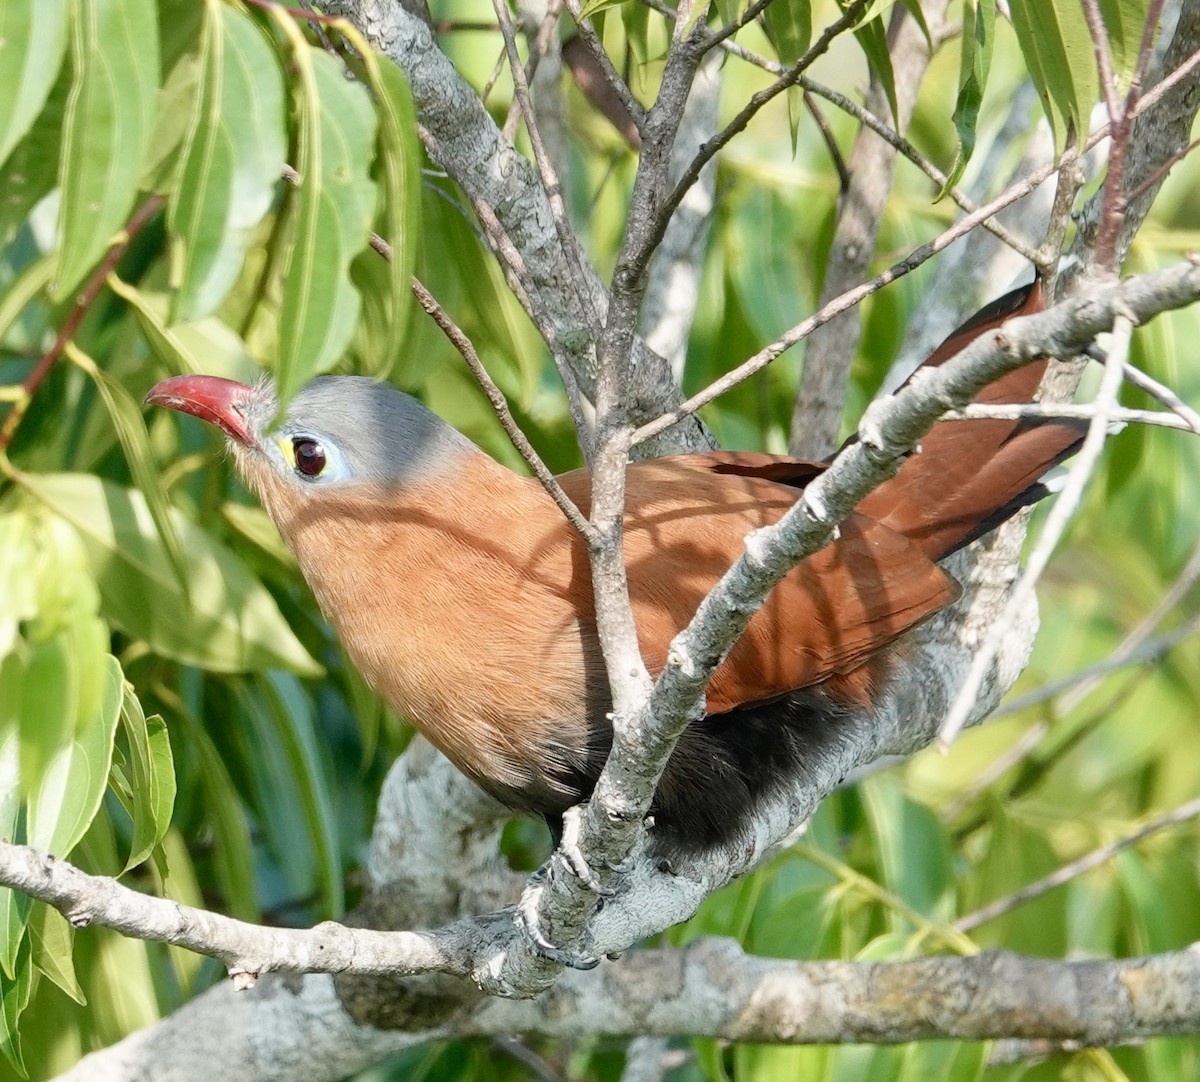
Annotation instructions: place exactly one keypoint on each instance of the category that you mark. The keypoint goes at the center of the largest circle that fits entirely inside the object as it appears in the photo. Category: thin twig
(791, 77)
(495, 396)
(620, 87)
(1162, 393)
(1136, 648)
(545, 168)
(1070, 411)
(1056, 524)
(1076, 868)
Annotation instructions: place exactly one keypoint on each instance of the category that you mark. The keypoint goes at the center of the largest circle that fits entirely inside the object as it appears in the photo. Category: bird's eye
(309, 455)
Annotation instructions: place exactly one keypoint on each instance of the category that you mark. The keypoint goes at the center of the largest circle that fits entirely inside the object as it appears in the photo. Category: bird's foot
(572, 854)
(529, 921)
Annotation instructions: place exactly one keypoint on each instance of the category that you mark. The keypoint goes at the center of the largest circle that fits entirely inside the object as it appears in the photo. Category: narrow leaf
(232, 162)
(69, 793)
(14, 907)
(151, 777)
(14, 998)
(333, 216)
(400, 166)
(207, 345)
(1057, 46)
(53, 938)
(789, 29)
(49, 705)
(33, 40)
(31, 170)
(977, 40)
(109, 121)
(229, 624)
(872, 36)
(130, 427)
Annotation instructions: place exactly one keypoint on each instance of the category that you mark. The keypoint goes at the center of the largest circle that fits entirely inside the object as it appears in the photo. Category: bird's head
(338, 432)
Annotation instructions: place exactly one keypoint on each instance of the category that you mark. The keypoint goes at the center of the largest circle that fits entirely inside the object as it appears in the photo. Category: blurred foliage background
(175, 711)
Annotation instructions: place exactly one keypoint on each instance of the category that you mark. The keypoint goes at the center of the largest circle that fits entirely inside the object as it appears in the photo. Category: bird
(463, 595)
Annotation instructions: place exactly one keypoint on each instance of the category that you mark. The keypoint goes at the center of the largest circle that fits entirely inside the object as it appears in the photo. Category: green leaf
(49, 707)
(33, 41)
(69, 793)
(14, 906)
(207, 345)
(109, 121)
(151, 777)
(232, 162)
(127, 420)
(284, 731)
(913, 850)
(595, 7)
(229, 624)
(177, 105)
(31, 170)
(1057, 46)
(872, 36)
(53, 938)
(978, 38)
(18, 588)
(14, 998)
(334, 206)
(22, 290)
(1124, 20)
(233, 866)
(788, 24)
(400, 166)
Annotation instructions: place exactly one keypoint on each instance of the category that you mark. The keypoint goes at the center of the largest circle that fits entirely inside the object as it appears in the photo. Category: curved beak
(220, 402)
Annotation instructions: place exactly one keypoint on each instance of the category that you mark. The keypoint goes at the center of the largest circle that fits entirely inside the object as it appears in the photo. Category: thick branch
(709, 989)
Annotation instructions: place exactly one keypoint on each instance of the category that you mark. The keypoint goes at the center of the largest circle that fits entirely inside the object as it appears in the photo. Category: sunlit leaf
(151, 777)
(69, 792)
(176, 111)
(400, 167)
(127, 420)
(109, 121)
(1125, 22)
(14, 998)
(1057, 46)
(53, 939)
(207, 346)
(334, 207)
(232, 162)
(49, 706)
(14, 907)
(978, 38)
(33, 39)
(228, 624)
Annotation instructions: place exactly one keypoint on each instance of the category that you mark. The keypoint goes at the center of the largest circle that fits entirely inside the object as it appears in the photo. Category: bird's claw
(530, 923)
(572, 854)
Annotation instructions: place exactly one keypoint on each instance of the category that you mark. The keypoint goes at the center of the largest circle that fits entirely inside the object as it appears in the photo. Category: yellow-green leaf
(151, 775)
(207, 346)
(109, 121)
(334, 208)
(33, 40)
(69, 792)
(53, 938)
(230, 623)
(400, 161)
(1057, 46)
(232, 162)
